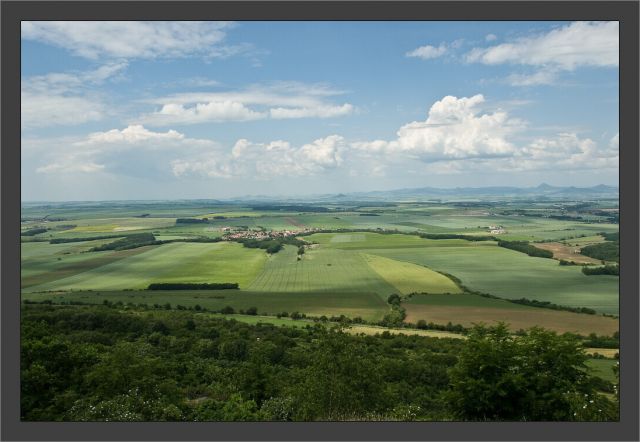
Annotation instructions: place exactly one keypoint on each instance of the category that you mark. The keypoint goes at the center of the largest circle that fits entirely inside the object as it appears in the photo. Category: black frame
(626, 12)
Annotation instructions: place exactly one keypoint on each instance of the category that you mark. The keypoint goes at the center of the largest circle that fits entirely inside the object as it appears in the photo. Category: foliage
(524, 247)
(539, 376)
(192, 286)
(102, 364)
(191, 221)
(606, 251)
(33, 232)
(552, 306)
(129, 242)
(604, 270)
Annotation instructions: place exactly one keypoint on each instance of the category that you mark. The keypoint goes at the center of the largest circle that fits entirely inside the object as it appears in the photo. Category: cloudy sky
(166, 110)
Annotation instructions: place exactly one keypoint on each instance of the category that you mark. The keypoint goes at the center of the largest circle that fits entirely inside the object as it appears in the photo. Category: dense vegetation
(129, 242)
(604, 270)
(292, 208)
(456, 236)
(273, 245)
(192, 221)
(107, 364)
(192, 286)
(552, 306)
(33, 232)
(524, 247)
(82, 238)
(536, 377)
(606, 251)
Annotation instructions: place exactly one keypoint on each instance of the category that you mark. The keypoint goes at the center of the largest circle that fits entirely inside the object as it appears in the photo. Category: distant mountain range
(543, 191)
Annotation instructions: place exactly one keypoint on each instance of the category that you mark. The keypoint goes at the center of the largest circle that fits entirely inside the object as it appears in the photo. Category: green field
(176, 262)
(350, 273)
(506, 273)
(410, 278)
(603, 368)
(368, 306)
(320, 270)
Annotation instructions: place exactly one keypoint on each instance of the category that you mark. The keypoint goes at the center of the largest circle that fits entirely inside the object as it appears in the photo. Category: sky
(183, 110)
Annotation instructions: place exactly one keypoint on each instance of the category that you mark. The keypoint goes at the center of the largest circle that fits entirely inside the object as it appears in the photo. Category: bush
(606, 251)
(604, 270)
(524, 247)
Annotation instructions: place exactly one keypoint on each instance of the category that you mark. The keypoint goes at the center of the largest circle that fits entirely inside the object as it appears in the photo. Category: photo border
(626, 12)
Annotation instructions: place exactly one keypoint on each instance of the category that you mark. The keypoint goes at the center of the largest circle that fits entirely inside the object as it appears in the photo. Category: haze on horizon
(206, 110)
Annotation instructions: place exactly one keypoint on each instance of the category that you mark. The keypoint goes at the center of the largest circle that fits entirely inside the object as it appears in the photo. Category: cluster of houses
(231, 234)
(496, 230)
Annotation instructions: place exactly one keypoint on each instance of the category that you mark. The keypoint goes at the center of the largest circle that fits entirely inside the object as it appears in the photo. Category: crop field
(506, 273)
(410, 278)
(472, 309)
(177, 262)
(349, 273)
(320, 270)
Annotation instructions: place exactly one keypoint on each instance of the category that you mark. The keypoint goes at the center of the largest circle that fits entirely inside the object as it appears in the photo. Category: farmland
(353, 257)
(378, 274)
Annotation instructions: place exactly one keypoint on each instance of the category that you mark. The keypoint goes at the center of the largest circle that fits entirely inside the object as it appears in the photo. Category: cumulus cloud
(454, 128)
(212, 111)
(568, 47)
(428, 51)
(266, 160)
(65, 98)
(92, 153)
(284, 100)
(131, 39)
(457, 137)
(490, 37)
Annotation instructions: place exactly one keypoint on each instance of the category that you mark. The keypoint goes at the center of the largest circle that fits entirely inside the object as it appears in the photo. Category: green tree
(536, 376)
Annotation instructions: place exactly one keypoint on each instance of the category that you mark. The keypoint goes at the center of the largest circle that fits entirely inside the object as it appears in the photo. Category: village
(231, 233)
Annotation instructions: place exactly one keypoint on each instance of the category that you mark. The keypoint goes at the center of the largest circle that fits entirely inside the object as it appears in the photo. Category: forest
(103, 363)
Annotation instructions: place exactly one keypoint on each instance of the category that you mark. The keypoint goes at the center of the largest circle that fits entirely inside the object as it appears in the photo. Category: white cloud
(490, 37)
(64, 98)
(614, 143)
(70, 167)
(568, 47)
(455, 128)
(542, 77)
(458, 138)
(92, 153)
(426, 52)
(320, 111)
(41, 110)
(131, 134)
(213, 111)
(131, 39)
(283, 100)
(266, 160)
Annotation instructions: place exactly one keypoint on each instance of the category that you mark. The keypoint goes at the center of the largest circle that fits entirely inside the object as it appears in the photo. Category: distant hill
(543, 191)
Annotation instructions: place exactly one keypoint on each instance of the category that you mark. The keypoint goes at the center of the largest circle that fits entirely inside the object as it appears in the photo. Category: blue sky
(166, 110)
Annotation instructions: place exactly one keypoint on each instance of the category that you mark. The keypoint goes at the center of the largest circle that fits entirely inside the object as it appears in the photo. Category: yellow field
(410, 278)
